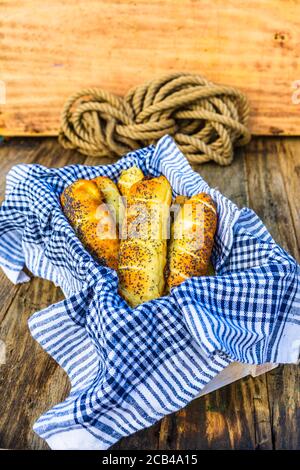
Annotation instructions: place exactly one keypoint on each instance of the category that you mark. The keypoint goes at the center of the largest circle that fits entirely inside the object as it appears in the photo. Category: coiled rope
(206, 120)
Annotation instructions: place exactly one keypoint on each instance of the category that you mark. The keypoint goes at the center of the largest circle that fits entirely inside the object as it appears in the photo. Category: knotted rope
(205, 119)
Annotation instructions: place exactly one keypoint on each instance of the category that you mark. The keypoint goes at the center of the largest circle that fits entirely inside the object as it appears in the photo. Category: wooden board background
(50, 49)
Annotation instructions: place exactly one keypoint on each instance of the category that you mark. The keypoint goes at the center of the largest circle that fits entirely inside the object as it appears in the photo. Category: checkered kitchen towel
(130, 367)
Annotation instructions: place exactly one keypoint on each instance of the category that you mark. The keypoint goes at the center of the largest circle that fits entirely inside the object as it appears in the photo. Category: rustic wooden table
(260, 413)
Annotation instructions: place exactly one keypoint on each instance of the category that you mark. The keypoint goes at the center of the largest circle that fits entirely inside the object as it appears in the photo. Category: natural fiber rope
(205, 119)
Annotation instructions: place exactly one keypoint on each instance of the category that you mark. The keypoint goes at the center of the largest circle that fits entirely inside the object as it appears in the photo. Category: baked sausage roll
(192, 238)
(143, 247)
(128, 178)
(84, 206)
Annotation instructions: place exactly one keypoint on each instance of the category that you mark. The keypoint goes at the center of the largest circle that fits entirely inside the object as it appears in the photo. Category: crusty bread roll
(112, 197)
(128, 178)
(192, 239)
(143, 247)
(84, 206)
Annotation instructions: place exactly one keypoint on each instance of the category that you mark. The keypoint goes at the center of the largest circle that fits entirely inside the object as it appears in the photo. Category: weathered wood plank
(229, 418)
(231, 182)
(49, 53)
(30, 381)
(273, 182)
(267, 192)
(289, 159)
(146, 439)
(284, 397)
(13, 152)
(285, 384)
(261, 411)
(251, 413)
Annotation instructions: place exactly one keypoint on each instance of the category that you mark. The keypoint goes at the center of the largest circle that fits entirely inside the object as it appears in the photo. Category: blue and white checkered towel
(130, 367)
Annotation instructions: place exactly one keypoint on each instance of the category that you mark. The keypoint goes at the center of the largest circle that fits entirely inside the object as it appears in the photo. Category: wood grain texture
(29, 378)
(289, 160)
(229, 418)
(49, 50)
(273, 181)
(268, 196)
(30, 381)
(252, 413)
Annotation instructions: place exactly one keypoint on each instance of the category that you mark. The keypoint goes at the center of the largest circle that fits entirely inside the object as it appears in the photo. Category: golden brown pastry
(112, 197)
(192, 239)
(84, 206)
(143, 248)
(128, 178)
